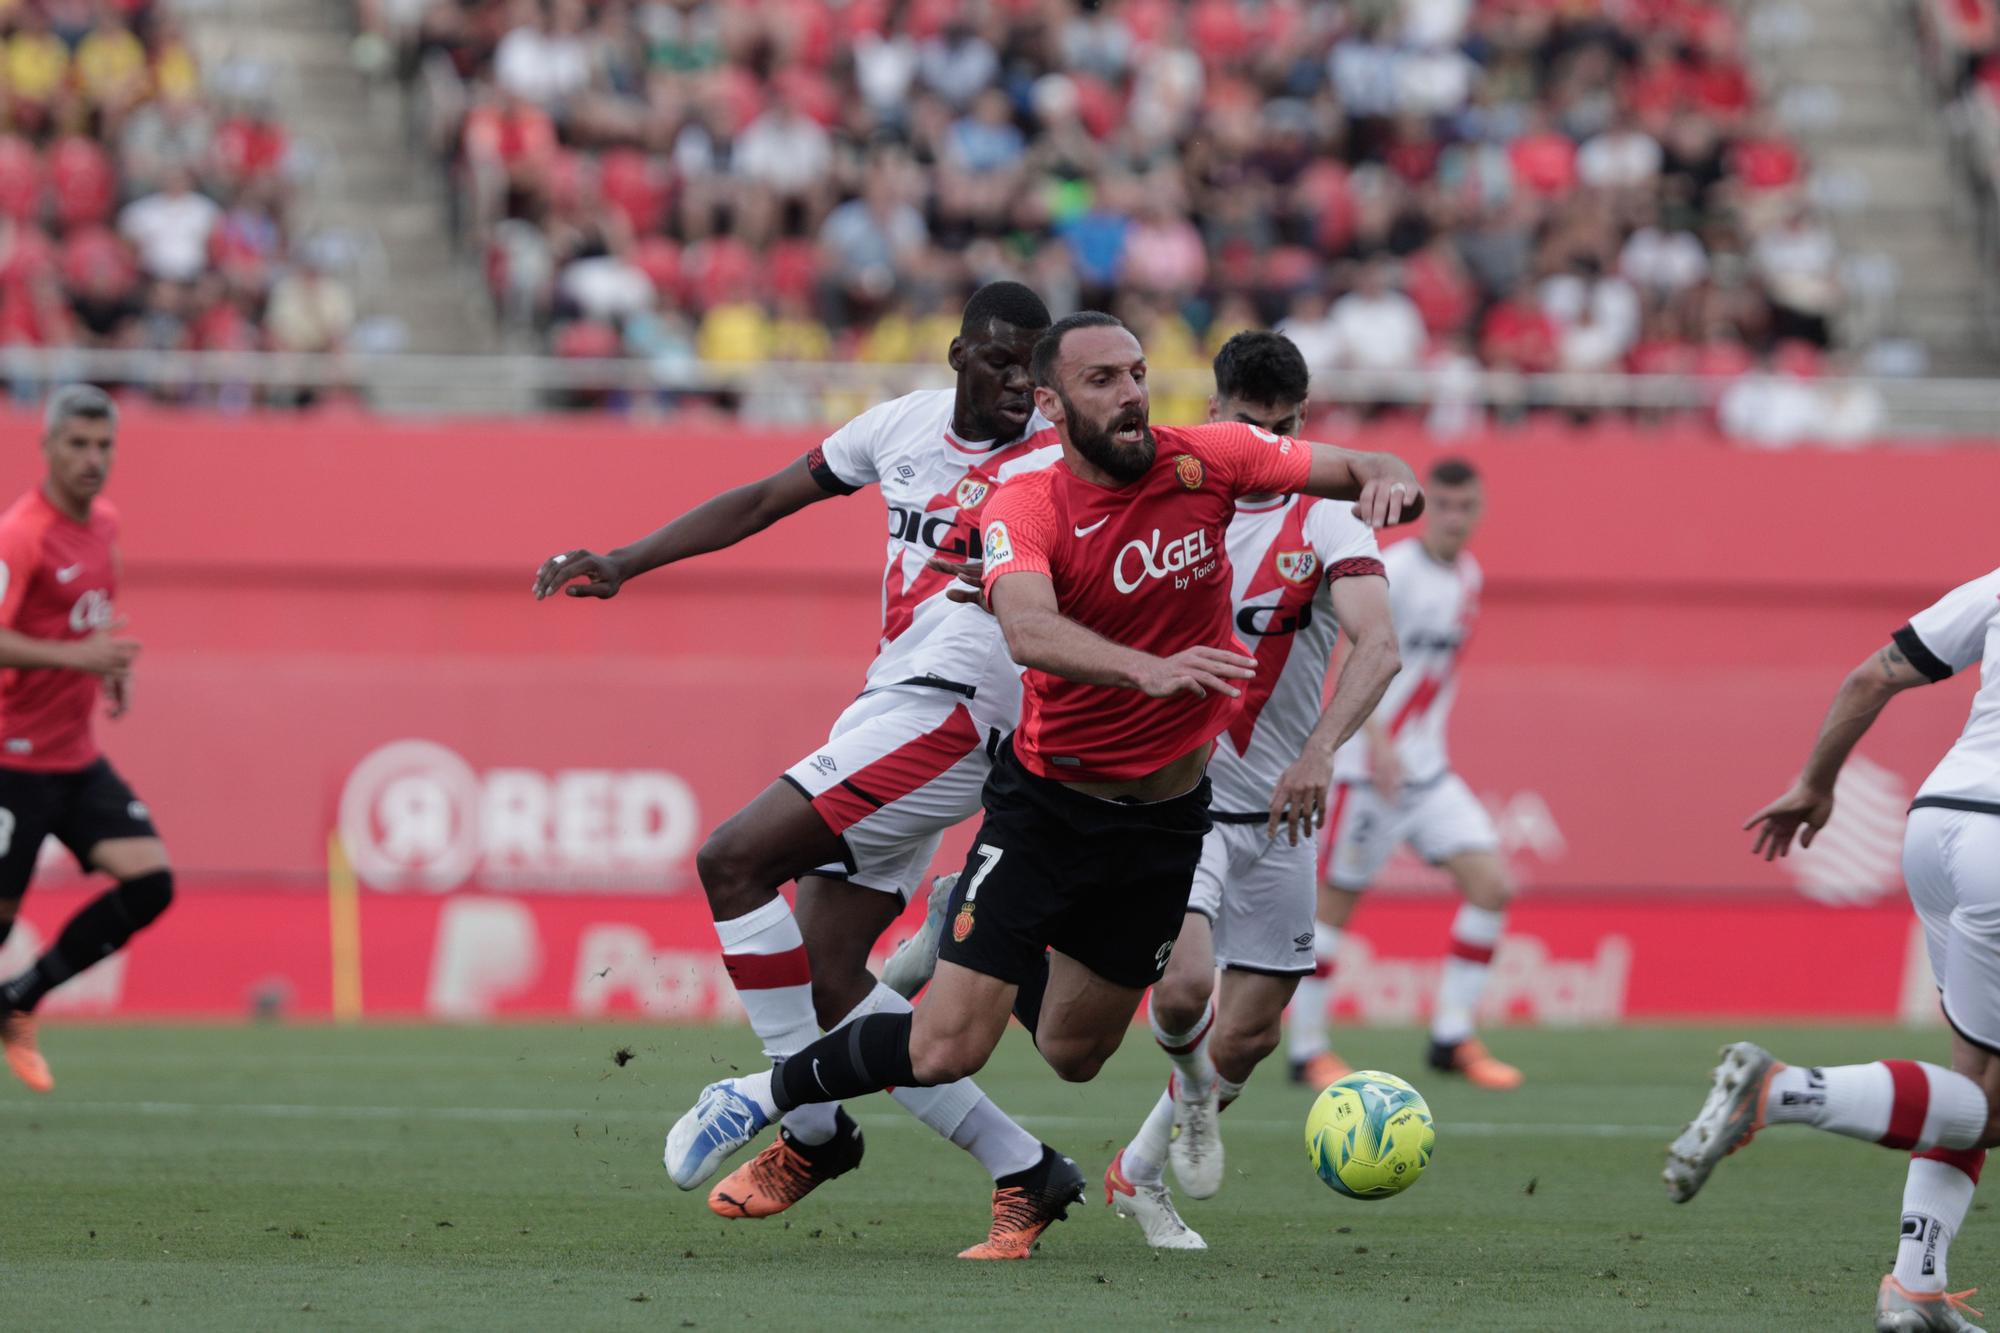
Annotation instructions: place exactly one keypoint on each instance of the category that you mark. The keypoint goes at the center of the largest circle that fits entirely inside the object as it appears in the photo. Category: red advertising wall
(339, 637)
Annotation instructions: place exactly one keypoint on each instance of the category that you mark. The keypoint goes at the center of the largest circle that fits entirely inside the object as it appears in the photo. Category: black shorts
(81, 808)
(1103, 881)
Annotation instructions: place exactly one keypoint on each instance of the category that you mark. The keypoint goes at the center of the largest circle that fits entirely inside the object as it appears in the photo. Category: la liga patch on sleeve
(999, 546)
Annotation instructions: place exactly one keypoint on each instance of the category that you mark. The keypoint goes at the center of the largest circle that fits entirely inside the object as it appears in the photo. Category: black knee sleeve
(866, 1056)
(145, 897)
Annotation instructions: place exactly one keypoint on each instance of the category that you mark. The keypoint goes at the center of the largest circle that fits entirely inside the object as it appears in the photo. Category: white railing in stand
(818, 391)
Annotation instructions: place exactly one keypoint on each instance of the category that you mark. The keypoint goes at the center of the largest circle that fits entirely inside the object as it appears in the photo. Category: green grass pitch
(434, 1177)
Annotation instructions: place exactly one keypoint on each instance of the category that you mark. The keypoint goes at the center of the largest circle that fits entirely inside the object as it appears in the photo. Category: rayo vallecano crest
(1297, 566)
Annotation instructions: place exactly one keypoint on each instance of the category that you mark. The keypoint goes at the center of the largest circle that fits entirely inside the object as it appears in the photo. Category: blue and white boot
(724, 1118)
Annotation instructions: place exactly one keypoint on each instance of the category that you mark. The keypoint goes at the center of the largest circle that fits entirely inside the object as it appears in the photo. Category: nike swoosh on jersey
(68, 573)
(1085, 532)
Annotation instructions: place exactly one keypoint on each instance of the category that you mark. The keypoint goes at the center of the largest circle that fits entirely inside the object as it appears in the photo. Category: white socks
(1146, 1155)
(766, 958)
(1936, 1195)
(1305, 1034)
(1897, 1103)
(1188, 1050)
(1475, 933)
(958, 1111)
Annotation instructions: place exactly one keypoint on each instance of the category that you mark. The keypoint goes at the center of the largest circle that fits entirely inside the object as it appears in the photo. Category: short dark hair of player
(1452, 472)
(1003, 303)
(1258, 366)
(78, 400)
(1048, 350)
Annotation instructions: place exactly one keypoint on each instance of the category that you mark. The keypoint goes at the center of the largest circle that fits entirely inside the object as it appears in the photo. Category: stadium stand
(143, 207)
(1504, 184)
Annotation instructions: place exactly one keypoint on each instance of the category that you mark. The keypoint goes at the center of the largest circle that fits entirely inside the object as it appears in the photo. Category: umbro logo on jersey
(1086, 529)
(68, 573)
(1304, 941)
(824, 763)
(905, 471)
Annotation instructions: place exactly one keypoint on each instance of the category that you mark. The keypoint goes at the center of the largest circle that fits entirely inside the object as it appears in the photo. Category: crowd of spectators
(1535, 185)
(139, 209)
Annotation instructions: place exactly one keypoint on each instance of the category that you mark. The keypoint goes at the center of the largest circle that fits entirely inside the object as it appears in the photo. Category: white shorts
(1951, 861)
(902, 765)
(1258, 894)
(1439, 819)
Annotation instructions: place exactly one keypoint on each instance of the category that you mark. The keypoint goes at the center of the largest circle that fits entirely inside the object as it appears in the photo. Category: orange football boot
(1317, 1071)
(1022, 1212)
(1481, 1068)
(786, 1172)
(24, 1057)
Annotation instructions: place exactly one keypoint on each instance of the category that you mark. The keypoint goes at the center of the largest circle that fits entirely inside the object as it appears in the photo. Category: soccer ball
(1369, 1136)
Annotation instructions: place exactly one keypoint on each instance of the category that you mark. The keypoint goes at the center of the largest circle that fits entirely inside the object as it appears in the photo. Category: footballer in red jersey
(60, 650)
(1108, 576)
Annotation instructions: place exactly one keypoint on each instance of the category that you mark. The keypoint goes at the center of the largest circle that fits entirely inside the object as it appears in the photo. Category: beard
(1097, 441)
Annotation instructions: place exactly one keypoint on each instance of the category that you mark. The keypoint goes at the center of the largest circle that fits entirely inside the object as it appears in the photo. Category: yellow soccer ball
(1369, 1136)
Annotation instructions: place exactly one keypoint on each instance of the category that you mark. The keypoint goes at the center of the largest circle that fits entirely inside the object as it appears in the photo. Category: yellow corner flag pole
(343, 906)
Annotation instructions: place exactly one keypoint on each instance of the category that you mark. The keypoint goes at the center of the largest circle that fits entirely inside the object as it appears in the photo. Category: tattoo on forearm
(1891, 657)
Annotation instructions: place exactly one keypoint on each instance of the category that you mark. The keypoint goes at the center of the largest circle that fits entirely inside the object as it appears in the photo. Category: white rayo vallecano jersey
(935, 486)
(1285, 553)
(1963, 627)
(1435, 606)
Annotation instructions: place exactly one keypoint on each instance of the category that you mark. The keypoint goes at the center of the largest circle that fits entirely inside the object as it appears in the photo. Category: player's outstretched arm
(1040, 636)
(718, 522)
(1383, 487)
(103, 653)
(1361, 608)
(1803, 810)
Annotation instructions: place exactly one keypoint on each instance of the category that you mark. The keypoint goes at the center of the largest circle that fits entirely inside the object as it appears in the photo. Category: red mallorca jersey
(57, 581)
(1143, 565)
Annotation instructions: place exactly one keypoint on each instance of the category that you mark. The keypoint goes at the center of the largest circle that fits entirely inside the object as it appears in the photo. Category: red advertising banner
(339, 638)
(1567, 958)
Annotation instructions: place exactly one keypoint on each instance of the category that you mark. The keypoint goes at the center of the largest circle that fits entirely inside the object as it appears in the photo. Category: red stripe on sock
(1471, 953)
(768, 971)
(1207, 1021)
(1912, 1103)
(1968, 1160)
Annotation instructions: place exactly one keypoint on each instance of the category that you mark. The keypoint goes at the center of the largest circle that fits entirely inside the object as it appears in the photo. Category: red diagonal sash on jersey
(900, 607)
(1273, 650)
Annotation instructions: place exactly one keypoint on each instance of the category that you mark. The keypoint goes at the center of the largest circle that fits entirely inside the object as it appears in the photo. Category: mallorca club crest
(1297, 566)
(961, 925)
(972, 493)
(1189, 471)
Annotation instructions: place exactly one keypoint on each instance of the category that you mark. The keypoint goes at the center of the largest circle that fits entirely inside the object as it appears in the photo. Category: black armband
(829, 481)
(1922, 658)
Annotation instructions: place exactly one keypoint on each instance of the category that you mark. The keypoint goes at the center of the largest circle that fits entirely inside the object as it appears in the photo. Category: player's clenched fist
(601, 575)
(1196, 671)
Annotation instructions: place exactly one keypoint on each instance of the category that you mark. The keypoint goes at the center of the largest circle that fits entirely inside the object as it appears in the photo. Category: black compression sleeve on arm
(1923, 659)
(864, 1056)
